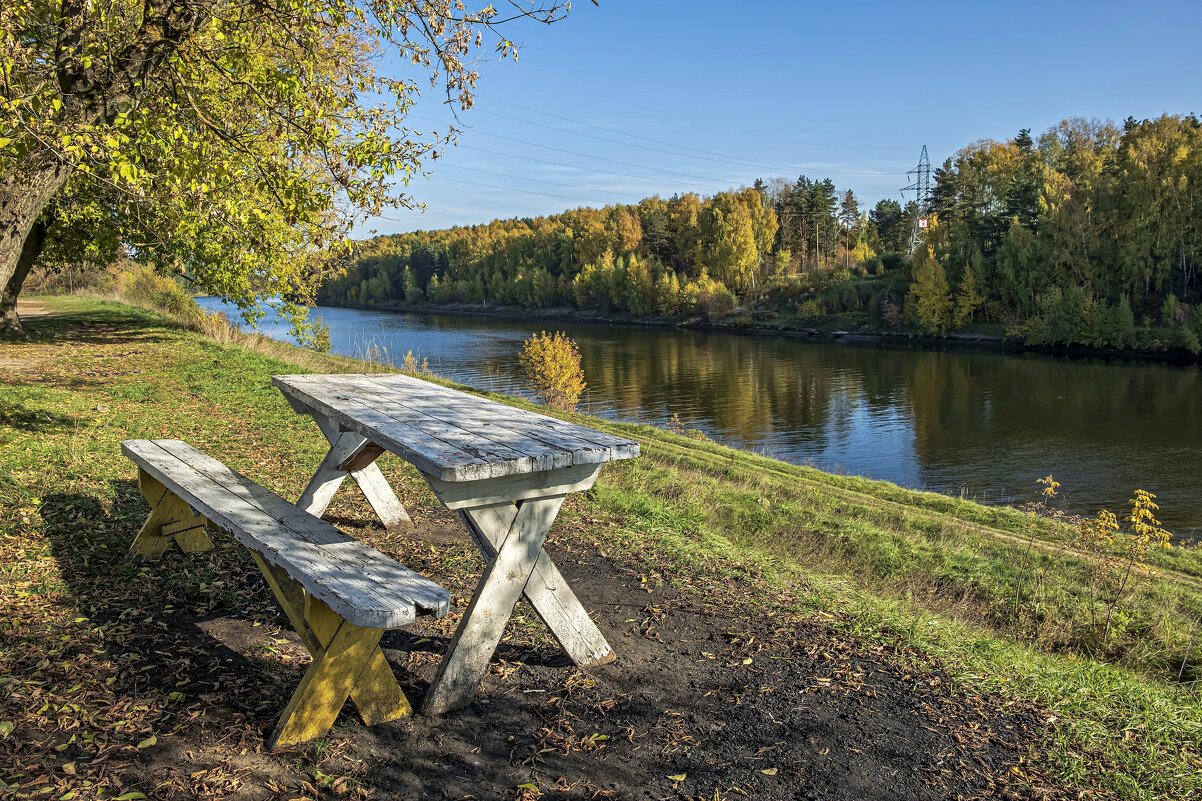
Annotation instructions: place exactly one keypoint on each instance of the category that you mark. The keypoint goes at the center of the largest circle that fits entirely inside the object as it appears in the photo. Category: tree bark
(25, 196)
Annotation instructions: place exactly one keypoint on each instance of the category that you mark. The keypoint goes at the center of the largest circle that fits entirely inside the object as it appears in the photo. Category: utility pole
(921, 187)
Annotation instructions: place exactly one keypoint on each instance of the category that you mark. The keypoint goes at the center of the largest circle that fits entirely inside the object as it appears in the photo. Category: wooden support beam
(546, 590)
(351, 454)
(291, 597)
(491, 607)
(376, 695)
(324, 689)
(170, 519)
(347, 662)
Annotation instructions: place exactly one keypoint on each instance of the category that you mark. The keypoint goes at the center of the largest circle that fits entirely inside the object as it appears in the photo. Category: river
(980, 425)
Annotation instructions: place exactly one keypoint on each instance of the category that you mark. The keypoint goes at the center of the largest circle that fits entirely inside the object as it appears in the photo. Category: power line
(724, 184)
(722, 158)
(515, 189)
(744, 163)
(541, 181)
(581, 155)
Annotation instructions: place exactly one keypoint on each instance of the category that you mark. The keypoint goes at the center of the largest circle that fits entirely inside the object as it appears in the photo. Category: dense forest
(1087, 234)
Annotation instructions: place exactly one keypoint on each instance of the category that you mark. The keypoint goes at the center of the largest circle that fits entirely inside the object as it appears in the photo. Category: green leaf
(6, 728)
(149, 741)
(131, 796)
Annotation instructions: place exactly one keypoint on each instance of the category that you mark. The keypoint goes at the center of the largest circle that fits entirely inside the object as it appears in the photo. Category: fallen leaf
(769, 771)
(149, 741)
(132, 796)
(679, 777)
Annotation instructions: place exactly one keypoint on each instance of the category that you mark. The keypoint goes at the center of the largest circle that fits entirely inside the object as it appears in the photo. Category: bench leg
(170, 519)
(483, 623)
(347, 663)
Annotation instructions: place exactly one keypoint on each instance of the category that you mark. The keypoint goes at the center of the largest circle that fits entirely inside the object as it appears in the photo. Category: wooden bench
(339, 594)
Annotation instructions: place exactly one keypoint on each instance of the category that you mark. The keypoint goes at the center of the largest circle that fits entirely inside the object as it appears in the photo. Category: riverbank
(782, 630)
(981, 338)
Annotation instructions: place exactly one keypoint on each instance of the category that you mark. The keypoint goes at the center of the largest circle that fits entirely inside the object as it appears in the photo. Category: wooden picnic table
(506, 472)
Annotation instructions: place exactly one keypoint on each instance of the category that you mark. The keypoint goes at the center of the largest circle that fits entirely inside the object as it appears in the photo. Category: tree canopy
(235, 142)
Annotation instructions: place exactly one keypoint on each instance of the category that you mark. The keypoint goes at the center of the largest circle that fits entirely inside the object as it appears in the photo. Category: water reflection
(984, 425)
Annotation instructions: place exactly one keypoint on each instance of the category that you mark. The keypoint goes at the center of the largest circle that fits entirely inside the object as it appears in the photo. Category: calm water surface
(981, 425)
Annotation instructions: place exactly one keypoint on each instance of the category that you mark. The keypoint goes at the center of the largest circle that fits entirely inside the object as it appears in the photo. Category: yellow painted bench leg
(291, 597)
(376, 695)
(170, 519)
(336, 673)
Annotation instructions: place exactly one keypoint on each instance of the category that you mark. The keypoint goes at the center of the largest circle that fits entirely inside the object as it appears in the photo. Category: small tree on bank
(229, 142)
(930, 293)
(552, 365)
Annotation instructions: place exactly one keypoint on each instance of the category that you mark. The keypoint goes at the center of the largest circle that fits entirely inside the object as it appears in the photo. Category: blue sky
(631, 99)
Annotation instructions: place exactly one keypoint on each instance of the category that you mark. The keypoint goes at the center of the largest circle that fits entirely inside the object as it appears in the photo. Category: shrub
(145, 287)
(319, 339)
(892, 262)
(552, 365)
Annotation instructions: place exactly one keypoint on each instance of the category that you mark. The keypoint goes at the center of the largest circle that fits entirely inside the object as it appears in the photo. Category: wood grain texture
(546, 590)
(361, 584)
(450, 435)
(491, 606)
(363, 470)
(508, 489)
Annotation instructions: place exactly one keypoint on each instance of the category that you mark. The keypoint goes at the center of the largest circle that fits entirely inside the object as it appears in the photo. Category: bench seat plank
(364, 586)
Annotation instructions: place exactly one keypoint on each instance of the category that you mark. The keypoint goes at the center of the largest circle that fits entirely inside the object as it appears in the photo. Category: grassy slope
(893, 563)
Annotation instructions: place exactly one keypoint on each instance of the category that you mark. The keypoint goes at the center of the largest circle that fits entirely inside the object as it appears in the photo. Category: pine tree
(967, 298)
(930, 293)
(409, 285)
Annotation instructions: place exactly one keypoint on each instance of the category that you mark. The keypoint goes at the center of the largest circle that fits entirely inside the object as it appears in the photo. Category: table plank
(449, 434)
(494, 419)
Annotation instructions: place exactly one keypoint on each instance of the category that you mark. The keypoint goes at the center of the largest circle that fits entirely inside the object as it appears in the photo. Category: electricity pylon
(921, 187)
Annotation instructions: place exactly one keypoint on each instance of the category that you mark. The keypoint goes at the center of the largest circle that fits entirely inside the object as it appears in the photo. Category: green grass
(884, 562)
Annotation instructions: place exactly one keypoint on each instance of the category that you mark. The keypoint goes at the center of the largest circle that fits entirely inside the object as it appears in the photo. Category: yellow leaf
(769, 771)
(679, 777)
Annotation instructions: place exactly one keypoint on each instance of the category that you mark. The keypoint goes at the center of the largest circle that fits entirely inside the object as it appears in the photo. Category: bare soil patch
(704, 701)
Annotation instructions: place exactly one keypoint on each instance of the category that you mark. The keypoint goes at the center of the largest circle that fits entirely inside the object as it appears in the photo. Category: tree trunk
(25, 194)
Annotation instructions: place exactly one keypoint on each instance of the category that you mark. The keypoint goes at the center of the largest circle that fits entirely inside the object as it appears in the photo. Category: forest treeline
(1087, 234)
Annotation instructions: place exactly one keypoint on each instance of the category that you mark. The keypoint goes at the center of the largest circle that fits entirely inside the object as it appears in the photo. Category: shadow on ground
(173, 674)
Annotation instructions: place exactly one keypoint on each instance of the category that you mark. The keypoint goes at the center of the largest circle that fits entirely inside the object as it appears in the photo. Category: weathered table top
(451, 435)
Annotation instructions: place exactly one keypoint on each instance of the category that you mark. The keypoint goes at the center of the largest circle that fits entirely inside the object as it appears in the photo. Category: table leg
(491, 606)
(351, 454)
(546, 590)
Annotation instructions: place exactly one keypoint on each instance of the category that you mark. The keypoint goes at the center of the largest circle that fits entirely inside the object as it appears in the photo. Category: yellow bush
(552, 365)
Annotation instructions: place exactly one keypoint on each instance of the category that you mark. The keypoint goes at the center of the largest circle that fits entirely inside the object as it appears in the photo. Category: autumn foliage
(552, 365)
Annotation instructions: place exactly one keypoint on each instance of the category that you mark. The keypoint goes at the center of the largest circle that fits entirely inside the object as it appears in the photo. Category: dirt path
(31, 308)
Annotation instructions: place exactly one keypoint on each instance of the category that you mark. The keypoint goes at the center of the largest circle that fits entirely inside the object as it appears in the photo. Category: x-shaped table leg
(350, 454)
(511, 536)
(347, 661)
